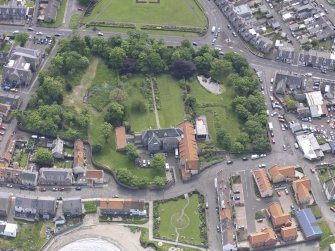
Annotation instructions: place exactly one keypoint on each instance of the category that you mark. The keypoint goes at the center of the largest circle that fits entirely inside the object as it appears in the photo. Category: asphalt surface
(204, 182)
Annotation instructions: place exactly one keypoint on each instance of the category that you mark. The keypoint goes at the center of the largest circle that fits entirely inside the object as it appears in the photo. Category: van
(271, 81)
(296, 145)
(206, 205)
(309, 74)
(254, 156)
(176, 153)
(34, 136)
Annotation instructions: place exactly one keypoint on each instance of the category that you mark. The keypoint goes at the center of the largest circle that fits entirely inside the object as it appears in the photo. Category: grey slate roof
(46, 205)
(26, 202)
(308, 223)
(330, 186)
(72, 206)
(29, 176)
(4, 201)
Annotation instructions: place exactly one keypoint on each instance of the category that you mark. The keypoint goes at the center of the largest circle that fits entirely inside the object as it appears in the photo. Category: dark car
(194, 43)
(31, 188)
(23, 188)
(229, 162)
(59, 198)
(245, 158)
(78, 188)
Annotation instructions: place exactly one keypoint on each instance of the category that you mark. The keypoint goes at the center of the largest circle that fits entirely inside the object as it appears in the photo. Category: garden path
(181, 216)
(154, 102)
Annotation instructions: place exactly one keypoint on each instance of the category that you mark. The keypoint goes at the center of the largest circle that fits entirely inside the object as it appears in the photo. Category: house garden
(94, 85)
(181, 219)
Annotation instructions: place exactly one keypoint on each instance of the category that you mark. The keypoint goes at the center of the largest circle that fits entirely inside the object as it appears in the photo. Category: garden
(90, 207)
(59, 18)
(171, 15)
(181, 219)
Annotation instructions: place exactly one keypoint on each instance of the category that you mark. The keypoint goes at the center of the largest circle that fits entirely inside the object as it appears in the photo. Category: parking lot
(286, 200)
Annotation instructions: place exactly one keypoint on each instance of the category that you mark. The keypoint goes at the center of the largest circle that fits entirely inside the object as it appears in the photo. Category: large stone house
(55, 176)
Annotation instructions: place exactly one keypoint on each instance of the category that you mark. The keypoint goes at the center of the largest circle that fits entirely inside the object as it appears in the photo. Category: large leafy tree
(43, 157)
(115, 114)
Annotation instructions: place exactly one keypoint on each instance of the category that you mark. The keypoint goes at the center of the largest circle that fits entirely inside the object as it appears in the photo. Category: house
(243, 11)
(11, 13)
(277, 215)
(201, 129)
(122, 207)
(72, 207)
(8, 229)
(285, 54)
(13, 100)
(29, 178)
(309, 146)
(164, 139)
(308, 224)
(25, 207)
(302, 189)
(120, 139)
(13, 175)
(188, 152)
(21, 65)
(287, 81)
(329, 188)
(265, 238)
(5, 203)
(263, 183)
(95, 177)
(289, 233)
(55, 176)
(4, 110)
(78, 156)
(281, 173)
(46, 207)
(58, 149)
(51, 10)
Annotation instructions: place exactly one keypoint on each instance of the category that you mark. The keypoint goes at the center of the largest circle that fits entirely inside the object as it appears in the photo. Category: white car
(167, 167)
(100, 34)
(39, 33)
(16, 32)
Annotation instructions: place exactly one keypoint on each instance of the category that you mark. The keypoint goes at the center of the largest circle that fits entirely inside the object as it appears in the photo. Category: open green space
(171, 110)
(29, 3)
(2, 2)
(316, 211)
(90, 207)
(59, 18)
(167, 12)
(74, 21)
(63, 164)
(217, 109)
(187, 224)
(30, 236)
(327, 237)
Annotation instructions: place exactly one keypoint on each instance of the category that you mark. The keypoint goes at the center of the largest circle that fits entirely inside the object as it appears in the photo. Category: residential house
(284, 81)
(55, 176)
(72, 207)
(120, 139)
(188, 152)
(285, 54)
(308, 224)
(122, 207)
(95, 177)
(165, 139)
(329, 188)
(4, 110)
(29, 178)
(281, 173)
(289, 233)
(25, 207)
(21, 65)
(58, 149)
(265, 238)
(78, 157)
(51, 10)
(13, 175)
(46, 207)
(13, 100)
(5, 203)
(302, 189)
(11, 13)
(277, 215)
(310, 146)
(263, 183)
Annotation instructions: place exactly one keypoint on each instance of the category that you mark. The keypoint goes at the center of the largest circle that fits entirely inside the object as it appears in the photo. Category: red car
(332, 209)
(273, 141)
(43, 189)
(312, 170)
(278, 193)
(61, 189)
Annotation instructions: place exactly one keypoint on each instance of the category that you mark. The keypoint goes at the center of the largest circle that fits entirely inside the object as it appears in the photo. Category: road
(204, 181)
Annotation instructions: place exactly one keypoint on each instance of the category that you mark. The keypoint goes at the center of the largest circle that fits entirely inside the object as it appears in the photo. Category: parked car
(59, 198)
(218, 229)
(332, 209)
(312, 170)
(237, 192)
(237, 198)
(278, 193)
(30, 29)
(273, 141)
(229, 162)
(194, 43)
(115, 196)
(245, 158)
(54, 189)
(39, 33)
(262, 165)
(58, 35)
(260, 220)
(78, 188)
(284, 147)
(23, 187)
(43, 189)
(286, 191)
(167, 167)
(100, 34)
(234, 34)
(61, 189)
(292, 208)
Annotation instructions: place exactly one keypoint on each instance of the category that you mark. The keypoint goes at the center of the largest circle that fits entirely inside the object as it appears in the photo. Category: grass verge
(327, 237)
(316, 211)
(90, 207)
(74, 21)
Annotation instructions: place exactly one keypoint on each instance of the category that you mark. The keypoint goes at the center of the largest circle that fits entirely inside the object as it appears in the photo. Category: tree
(237, 147)
(43, 157)
(115, 41)
(106, 129)
(124, 176)
(132, 151)
(85, 2)
(115, 114)
(190, 101)
(291, 104)
(138, 106)
(182, 69)
(129, 65)
(159, 181)
(51, 91)
(116, 57)
(96, 148)
(22, 38)
(158, 162)
(220, 69)
(140, 181)
(118, 95)
(224, 139)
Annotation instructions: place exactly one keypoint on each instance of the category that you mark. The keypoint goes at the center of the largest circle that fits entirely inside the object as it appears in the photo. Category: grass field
(316, 211)
(172, 106)
(218, 110)
(74, 21)
(167, 12)
(187, 225)
(90, 207)
(327, 237)
(59, 18)
(30, 236)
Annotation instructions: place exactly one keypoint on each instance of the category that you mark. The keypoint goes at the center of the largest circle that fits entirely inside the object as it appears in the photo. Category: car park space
(286, 199)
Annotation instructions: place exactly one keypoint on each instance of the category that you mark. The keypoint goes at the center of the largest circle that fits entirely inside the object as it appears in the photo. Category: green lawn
(74, 21)
(172, 106)
(217, 109)
(24, 159)
(167, 12)
(59, 18)
(90, 207)
(30, 236)
(316, 211)
(327, 237)
(188, 228)
(325, 175)
(2, 2)
(30, 4)
(63, 164)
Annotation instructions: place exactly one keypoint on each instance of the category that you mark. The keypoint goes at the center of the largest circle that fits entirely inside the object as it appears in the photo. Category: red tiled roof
(98, 174)
(78, 153)
(188, 147)
(120, 138)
